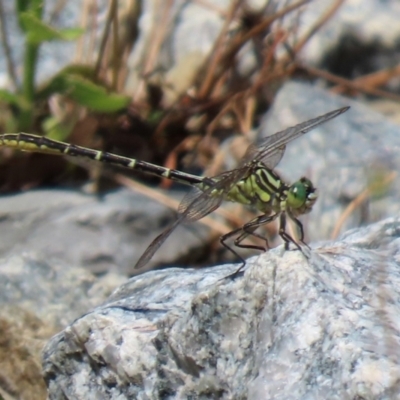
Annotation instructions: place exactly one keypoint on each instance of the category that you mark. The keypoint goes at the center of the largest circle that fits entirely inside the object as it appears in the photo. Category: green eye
(301, 196)
(297, 195)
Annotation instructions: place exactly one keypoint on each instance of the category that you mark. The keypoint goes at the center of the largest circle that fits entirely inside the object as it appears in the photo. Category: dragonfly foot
(237, 273)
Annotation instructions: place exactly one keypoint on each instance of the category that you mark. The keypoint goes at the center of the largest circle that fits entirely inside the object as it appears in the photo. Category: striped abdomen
(41, 144)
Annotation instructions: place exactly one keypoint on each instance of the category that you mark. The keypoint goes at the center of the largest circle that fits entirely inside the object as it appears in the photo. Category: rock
(22, 337)
(343, 157)
(100, 234)
(38, 299)
(289, 328)
(355, 39)
(389, 108)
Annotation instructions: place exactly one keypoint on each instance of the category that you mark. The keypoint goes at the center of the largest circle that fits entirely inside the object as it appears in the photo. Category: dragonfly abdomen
(41, 144)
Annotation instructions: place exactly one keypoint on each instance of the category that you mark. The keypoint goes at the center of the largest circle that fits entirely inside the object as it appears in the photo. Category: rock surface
(37, 300)
(98, 234)
(355, 40)
(289, 328)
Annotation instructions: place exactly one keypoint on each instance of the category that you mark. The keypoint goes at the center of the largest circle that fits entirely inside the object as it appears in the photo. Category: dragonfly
(253, 183)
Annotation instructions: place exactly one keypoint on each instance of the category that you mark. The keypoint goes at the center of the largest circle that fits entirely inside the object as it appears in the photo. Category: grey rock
(289, 328)
(22, 337)
(37, 299)
(356, 23)
(54, 292)
(342, 157)
(99, 234)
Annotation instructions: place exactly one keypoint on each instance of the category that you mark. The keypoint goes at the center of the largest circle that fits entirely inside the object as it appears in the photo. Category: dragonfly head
(301, 197)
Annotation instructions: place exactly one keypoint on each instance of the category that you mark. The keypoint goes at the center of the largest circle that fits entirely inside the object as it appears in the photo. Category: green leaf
(23, 108)
(84, 91)
(13, 99)
(78, 82)
(55, 129)
(71, 33)
(35, 7)
(9, 98)
(155, 116)
(38, 32)
(93, 95)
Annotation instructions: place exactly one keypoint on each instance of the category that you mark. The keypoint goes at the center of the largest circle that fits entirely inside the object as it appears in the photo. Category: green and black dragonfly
(252, 183)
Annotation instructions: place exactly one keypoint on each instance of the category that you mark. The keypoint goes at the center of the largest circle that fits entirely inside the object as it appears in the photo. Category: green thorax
(263, 189)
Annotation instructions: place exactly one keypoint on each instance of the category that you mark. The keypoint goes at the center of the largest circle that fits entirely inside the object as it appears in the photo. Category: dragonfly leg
(247, 230)
(284, 235)
(238, 241)
(301, 230)
(222, 240)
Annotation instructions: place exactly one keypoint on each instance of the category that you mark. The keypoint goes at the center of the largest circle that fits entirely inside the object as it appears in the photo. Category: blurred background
(188, 85)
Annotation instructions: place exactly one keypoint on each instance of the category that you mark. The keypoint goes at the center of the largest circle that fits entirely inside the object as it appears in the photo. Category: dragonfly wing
(155, 245)
(271, 159)
(250, 154)
(200, 201)
(195, 205)
(271, 149)
(274, 157)
(192, 208)
(189, 207)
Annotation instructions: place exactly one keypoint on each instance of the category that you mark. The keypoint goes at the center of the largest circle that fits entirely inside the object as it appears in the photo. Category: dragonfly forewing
(271, 160)
(195, 205)
(272, 147)
(155, 245)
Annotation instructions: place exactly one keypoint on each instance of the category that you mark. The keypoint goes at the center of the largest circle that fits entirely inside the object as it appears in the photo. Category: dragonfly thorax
(301, 197)
(262, 189)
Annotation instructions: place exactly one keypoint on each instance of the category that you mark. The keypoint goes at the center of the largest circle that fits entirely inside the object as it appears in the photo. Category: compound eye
(297, 195)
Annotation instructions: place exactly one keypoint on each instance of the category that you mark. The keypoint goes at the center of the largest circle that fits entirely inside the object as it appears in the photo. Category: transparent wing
(155, 245)
(271, 149)
(271, 160)
(194, 206)
(200, 202)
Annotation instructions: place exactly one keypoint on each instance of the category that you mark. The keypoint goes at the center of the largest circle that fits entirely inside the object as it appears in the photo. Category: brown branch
(373, 80)
(329, 13)
(110, 17)
(348, 83)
